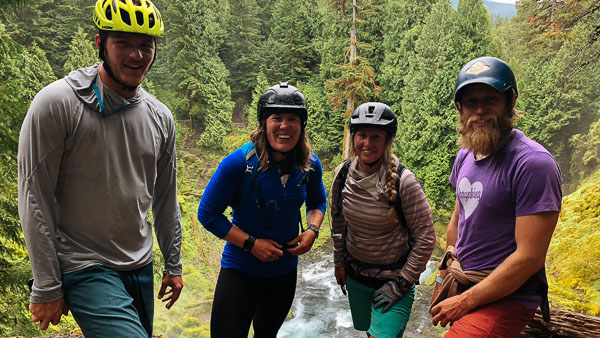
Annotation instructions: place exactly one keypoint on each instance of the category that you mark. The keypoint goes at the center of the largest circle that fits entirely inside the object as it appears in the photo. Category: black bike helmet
(282, 98)
(374, 115)
(487, 70)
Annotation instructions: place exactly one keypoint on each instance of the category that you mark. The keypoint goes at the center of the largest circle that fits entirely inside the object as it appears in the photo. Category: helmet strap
(112, 75)
(372, 164)
(284, 153)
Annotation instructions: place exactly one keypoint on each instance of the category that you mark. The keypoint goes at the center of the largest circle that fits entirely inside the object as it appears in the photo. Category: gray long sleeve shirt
(87, 180)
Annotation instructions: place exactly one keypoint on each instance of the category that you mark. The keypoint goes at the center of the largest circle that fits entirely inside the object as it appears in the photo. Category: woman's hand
(340, 275)
(305, 241)
(266, 250)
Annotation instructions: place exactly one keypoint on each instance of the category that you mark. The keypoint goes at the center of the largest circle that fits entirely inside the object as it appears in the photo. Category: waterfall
(321, 310)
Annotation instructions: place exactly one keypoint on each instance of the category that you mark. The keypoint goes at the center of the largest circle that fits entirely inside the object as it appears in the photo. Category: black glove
(387, 295)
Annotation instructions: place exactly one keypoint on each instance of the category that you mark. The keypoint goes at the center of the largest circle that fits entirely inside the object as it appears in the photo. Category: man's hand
(305, 240)
(171, 295)
(450, 310)
(388, 294)
(46, 313)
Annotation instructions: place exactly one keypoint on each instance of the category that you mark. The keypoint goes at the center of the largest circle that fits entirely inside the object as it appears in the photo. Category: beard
(484, 141)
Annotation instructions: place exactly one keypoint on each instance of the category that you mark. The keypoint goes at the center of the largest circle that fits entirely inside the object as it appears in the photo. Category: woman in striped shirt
(381, 224)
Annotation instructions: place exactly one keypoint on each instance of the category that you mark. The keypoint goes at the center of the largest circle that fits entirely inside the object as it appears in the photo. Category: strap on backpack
(249, 179)
(340, 178)
(249, 174)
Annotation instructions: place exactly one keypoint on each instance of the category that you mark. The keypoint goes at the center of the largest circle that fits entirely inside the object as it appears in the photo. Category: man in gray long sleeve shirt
(96, 151)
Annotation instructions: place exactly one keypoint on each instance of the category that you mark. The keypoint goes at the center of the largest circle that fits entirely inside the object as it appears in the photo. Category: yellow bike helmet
(132, 16)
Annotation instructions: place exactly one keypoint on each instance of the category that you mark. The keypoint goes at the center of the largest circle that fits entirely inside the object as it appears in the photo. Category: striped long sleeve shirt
(367, 233)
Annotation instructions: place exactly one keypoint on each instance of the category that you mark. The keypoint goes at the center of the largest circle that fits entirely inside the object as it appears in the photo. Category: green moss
(189, 322)
(196, 332)
(174, 330)
(573, 272)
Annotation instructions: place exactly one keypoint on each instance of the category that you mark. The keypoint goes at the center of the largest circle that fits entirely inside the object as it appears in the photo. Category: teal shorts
(109, 303)
(381, 325)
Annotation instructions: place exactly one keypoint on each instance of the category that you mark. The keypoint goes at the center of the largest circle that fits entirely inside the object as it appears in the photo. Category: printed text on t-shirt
(469, 195)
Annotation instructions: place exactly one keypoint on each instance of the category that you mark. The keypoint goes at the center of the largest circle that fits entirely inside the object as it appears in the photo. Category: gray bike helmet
(374, 115)
(487, 70)
(282, 98)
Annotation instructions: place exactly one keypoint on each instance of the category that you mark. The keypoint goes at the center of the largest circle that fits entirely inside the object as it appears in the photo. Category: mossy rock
(189, 322)
(574, 251)
(174, 330)
(195, 332)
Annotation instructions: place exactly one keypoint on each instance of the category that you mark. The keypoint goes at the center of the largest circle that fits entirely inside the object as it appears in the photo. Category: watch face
(248, 243)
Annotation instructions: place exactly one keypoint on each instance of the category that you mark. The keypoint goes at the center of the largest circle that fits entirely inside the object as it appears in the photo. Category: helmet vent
(371, 113)
(108, 13)
(151, 20)
(125, 17)
(139, 17)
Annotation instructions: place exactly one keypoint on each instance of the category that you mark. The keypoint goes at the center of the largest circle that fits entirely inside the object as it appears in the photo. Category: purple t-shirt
(520, 179)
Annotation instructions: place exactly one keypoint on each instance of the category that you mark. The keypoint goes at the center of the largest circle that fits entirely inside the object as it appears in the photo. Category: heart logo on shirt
(469, 195)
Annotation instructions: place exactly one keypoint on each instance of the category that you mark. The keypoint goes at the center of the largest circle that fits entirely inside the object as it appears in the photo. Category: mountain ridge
(497, 9)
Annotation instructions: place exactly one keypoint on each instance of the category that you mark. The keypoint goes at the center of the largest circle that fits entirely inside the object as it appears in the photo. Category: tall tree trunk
(350, 101)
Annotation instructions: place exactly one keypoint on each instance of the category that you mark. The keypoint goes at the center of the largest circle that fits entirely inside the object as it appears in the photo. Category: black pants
(241, 299)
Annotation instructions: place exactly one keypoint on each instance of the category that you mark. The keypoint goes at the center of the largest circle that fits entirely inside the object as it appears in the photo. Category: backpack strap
(340, 179)
(249, 173)
(398, 207)
(398, 203)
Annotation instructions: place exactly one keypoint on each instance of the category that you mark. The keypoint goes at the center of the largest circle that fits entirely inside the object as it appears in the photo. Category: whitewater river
(321, 310)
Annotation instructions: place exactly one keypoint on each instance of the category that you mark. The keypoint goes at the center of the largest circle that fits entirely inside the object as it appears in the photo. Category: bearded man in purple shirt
(508, 197)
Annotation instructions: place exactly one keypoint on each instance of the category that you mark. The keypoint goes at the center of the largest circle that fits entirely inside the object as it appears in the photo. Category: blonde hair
(299, 155)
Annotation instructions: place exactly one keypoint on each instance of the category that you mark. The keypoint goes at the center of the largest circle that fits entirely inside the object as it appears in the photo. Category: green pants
(109, 303)
(366, 318)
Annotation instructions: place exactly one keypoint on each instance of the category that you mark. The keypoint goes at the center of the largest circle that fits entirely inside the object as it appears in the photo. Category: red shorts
(502, 318)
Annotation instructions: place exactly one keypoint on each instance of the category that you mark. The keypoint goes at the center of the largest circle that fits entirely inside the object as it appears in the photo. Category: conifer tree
(196, 34)
(474, 25)
(251, 109)
(82, 52)
(352, 82)
(559, 93)
(22, 73)
(291, 54)
(426, 137)
(325, 127)
(404, 20)
(242, 48)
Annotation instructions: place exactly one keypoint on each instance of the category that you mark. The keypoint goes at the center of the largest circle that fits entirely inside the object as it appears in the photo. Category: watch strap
(404, 284)
(249, 243)
(314, 228)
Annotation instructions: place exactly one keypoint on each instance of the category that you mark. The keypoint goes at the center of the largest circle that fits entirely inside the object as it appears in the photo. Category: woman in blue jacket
(266, 182)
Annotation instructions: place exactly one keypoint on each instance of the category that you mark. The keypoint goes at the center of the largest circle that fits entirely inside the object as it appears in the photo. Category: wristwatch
(314, 228)
(249, 243)
(404, 284)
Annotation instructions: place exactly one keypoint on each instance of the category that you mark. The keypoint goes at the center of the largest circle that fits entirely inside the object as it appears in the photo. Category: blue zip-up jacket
(277, 219)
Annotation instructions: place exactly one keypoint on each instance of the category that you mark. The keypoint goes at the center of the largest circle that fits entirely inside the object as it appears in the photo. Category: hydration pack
(250, 179)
